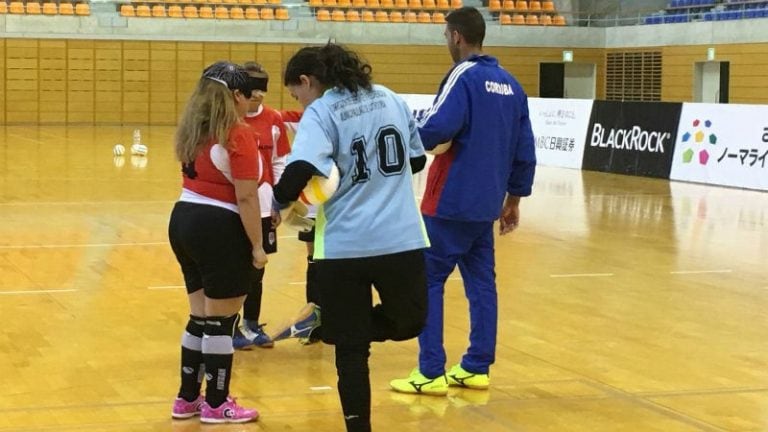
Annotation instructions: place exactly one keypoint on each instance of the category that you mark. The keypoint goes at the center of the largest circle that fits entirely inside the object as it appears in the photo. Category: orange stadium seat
(548, 6)
(49, 8)
(174, 11)
(411, 17)
(315, 3)
(16, 7)
(83, 9)
(66, 9)
(34, 8)
(505, 19)
(545, 20)
(508, 5)
(372, 4)
(532, 20)
(243, 2)
(425, 17)
(558, 20)
(344, 3)
(438, 18)
(323, 15)
(518, 19)
(443, 4)
(534, 5)
(401, 4)
(414, 4)
(428, 4)
(387, 4)
(337, 15)
(205, 12)
(456, 4)
(158, 11)
(281, 14)
(126, 10)
(382, 16)
(267, 14)
(521, 5)
(221, 12)
(259, 2)
(494, 5)
(353, 16)
(274, 2)
(3, 8)
(358, 3)
(396, 17)
(237, 13)
(368, 16)
(190, 11)
(143, 11)
(251, 13)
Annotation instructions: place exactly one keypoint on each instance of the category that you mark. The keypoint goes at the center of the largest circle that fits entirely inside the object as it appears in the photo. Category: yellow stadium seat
(558, 20)
(205, 12)
(267, 14)
(3, 8)
(158, 11)
(382, 16)
(323, 15)
(368, 16)
(174, 11)
(34, 8)
(428, 4)
(353, 16)
(438, 18)
(83, 9)
(545, 20)
(337, 15)
(414, 4)
(281, 14)
(508, 5)
(396, 17)
(456, 4)
(16, 7)
(387, 4)
(532, 20)
(494, 5)
(126, 10)
(401, 4)
(48, 8)
(221, 12)
(358, 3)
(237, 13)
(344, 3)
(251, 13)
(505, 19)
(190, 12)
(521, 5)
(425, 17)
(443, 4)
(372, 4)
(143, 11)
(534, 5)
(518, 19)
(548, 6)
(66, 9)
(411, 17)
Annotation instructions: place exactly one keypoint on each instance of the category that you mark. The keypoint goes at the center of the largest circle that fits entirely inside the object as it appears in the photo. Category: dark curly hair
(332, 65)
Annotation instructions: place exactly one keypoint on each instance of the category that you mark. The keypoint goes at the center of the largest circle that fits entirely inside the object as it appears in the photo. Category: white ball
(118, 161)
(139, 150)
(440, 148)
(320, 189)
(138, 162)
(118, 150)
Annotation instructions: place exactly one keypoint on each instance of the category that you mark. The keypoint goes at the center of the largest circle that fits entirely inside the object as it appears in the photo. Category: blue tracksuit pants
(470, 246)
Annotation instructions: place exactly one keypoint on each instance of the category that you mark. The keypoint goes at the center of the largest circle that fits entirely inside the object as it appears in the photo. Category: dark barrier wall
(636, 138)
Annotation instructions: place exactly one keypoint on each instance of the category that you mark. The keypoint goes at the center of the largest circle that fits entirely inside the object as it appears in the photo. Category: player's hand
(259, 257)
(276, 219)
(295, 216)
(510, 215)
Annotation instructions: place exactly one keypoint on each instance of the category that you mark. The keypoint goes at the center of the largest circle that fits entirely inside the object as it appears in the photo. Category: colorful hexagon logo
(699, 133)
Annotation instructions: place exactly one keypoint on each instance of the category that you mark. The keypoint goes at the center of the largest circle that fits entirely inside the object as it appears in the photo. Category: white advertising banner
(560, 127)
(722, 145)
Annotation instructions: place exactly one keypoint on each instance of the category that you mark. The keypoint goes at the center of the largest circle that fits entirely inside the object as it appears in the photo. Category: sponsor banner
(634, 138)
(559, 126)
(723, 145)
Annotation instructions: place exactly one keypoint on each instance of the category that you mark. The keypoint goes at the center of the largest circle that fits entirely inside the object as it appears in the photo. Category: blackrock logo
(698, 133)
(629, 139)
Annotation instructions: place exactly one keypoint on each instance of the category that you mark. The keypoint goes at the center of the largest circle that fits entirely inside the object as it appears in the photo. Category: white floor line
(320, 388)
(575, 275)
(701, 271)
(49, 291)
(100, 203)
(84, 245)
(297, 283)
(166, 287)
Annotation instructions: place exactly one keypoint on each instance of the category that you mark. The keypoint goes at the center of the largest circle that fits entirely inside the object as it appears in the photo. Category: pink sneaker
(228, 412)
(184, 410)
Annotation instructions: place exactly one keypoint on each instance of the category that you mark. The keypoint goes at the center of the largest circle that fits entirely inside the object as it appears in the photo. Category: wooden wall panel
(108, 65)
(189, 67)
(2, 81)
(80, 81)
(136, 62)
(53, 81)
(162, 83)
(22, 86)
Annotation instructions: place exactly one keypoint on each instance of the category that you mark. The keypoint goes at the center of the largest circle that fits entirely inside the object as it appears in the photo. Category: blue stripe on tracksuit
(470, 246)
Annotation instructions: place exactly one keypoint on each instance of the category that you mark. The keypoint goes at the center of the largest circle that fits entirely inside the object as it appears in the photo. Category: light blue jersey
(371, 138)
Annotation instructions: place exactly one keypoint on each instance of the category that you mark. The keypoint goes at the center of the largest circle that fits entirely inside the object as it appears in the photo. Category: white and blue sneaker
(307, 321)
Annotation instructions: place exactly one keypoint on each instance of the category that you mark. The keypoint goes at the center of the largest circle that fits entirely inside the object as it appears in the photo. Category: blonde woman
(216, 235)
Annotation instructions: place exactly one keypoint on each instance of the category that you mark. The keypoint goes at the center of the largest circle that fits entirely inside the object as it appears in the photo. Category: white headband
(218, 80)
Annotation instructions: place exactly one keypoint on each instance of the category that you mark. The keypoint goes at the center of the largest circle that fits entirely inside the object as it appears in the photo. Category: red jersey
(273, 140)
(214, 168)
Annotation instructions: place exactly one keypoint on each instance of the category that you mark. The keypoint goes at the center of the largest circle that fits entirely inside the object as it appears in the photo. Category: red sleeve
(291, 116)
(244, 158)
(283, 146)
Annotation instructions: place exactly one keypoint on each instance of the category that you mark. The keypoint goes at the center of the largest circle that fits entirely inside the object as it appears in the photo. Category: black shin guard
(354, 386)
(192, 365)
(217, 353)
(252, 305)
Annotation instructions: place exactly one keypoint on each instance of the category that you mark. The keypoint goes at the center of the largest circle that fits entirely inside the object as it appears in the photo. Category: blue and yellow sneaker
(417, 383)
(459, 377)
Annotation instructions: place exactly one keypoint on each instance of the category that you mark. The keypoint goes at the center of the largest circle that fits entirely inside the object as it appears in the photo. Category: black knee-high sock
(354, 386)
(252, 305)
(192, 365)
(217, 353)
(313, 291)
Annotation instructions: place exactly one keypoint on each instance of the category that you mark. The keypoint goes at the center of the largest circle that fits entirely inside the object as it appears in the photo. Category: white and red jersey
(273, 146)
(209, 178)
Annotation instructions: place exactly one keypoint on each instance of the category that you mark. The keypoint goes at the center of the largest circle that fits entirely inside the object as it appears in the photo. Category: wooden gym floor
(626, 304)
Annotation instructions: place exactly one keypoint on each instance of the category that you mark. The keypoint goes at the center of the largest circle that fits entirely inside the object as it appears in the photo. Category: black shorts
(268, 236)
(212, 248)
(307, 236)
(345, 290)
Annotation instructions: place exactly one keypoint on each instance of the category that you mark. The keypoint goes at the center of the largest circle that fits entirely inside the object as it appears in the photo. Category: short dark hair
(468, 22)
(332, 65)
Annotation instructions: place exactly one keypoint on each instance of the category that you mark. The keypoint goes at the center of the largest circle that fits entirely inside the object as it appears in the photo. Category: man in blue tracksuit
(483, 111)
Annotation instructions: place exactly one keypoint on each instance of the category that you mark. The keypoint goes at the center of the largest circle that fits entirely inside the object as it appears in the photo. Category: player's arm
(247, 172)
(449, 112)
(418, 158)
(293, 181)
(523, 170)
